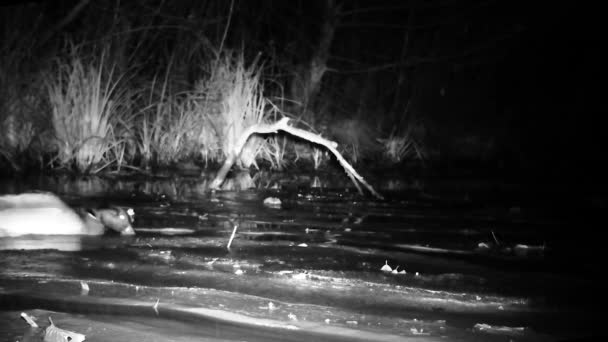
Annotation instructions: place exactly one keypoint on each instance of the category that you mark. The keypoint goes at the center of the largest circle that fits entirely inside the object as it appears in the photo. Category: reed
(89, 103)
(273, 151)
(405, 147)
(173, 143)
(239, 93)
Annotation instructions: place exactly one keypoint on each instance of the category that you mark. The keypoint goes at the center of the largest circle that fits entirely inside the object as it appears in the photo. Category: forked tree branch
(282, 125)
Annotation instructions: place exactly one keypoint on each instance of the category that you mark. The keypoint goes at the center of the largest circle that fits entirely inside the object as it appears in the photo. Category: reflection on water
(61, 243)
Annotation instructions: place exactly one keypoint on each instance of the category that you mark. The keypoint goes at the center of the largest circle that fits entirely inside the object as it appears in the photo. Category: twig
(29, 320)
(495, 239)
(232, 236)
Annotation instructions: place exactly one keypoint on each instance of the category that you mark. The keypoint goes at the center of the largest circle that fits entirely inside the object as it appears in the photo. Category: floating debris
(166, 231)
(54, 334)
(522, 250)
(155, 307)
(84, 288)
(29, 319)
(483, 246)
(285, 272)
(292, 317)
(499, 330)
(302, 245)
(269, 307)
(272, 202)
(386, 267)
(419, 332)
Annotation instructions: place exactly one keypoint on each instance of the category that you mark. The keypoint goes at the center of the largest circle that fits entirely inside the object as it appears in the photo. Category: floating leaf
(54, 334)
(272, 202)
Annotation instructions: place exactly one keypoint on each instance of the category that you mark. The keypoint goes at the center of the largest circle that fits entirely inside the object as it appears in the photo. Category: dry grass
(404, 147)
(149, 127)
(226, 103)
(88, 105)
(273, 150)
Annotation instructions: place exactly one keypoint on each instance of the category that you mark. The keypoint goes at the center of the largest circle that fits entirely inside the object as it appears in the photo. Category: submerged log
(282, 125)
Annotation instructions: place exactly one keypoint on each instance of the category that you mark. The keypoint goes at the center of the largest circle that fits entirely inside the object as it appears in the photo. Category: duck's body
(46, 214)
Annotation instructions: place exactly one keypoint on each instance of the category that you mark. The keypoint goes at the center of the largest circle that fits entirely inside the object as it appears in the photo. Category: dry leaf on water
(54, 334)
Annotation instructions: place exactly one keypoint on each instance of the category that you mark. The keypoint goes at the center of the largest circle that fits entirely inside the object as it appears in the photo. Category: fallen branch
(282, 125)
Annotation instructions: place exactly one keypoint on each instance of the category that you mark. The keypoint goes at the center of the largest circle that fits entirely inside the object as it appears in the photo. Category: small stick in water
(232, 236)
(29, 319)
(495, 239)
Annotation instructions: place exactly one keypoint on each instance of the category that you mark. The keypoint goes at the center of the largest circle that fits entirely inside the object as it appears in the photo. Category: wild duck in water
(46, 214)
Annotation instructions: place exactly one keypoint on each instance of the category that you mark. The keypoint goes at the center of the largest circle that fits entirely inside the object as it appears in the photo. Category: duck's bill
(128, 231)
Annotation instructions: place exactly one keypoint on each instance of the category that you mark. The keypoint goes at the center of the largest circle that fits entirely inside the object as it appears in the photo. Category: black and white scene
(304, 170)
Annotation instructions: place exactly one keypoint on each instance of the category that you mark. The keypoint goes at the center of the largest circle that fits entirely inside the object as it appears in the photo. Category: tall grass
(404, 147)
(236, 93)
(149, 128)
(274, 150)
(175, 127)
(174, 144)
(89, 104)
(207, 121)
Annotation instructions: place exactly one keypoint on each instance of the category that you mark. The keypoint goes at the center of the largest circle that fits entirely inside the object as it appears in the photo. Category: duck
(42, 213)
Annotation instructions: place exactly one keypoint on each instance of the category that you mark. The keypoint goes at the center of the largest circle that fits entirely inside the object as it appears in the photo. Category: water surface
(473, 262)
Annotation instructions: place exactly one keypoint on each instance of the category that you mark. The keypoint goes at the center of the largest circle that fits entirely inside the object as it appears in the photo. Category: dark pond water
(475, 261)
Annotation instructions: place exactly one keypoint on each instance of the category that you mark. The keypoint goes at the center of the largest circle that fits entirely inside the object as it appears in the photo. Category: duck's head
(115, 218)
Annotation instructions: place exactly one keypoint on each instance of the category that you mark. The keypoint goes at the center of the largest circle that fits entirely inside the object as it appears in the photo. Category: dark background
(507, 86)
